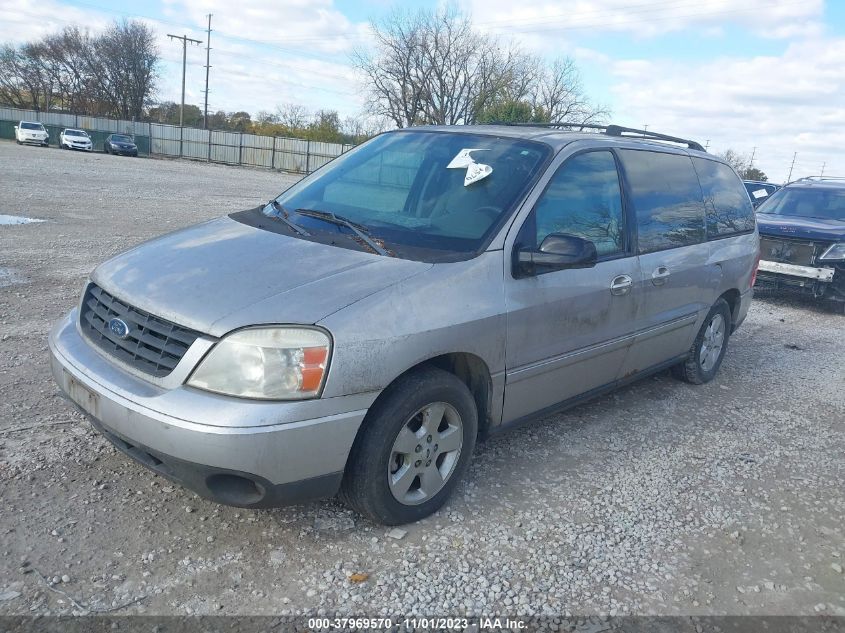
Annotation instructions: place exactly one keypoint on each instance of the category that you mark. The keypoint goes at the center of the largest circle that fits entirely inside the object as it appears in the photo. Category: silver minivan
(357, 334)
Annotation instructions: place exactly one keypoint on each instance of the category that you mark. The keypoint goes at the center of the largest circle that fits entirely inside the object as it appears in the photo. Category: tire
(377, 456)
(18, 142)
(704, 358)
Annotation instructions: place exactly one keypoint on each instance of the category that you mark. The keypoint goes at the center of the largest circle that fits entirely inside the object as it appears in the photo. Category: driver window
(583, 199)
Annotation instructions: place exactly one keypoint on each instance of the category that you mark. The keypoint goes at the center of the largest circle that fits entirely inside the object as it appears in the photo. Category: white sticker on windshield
(475, 171)
(760, 193)
(463, 159)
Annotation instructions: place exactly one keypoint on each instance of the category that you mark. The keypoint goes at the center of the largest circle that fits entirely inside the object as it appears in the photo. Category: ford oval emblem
(119, 328)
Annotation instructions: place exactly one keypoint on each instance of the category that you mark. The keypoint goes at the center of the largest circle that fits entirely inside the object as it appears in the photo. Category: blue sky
(768, 74)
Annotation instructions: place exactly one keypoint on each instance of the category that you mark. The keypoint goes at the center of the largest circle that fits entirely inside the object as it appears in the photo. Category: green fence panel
(143, 143)
(7, 129)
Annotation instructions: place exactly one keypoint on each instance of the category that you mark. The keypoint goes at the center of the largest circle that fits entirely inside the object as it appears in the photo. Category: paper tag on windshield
(760, 193)
(463, 159)
(476, 172)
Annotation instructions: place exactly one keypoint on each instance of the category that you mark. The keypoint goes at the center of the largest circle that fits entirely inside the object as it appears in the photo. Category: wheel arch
(733, 298)
(470, 369)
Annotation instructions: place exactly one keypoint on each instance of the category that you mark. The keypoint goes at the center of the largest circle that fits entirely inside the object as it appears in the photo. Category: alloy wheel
(712, 343)
(425, 453)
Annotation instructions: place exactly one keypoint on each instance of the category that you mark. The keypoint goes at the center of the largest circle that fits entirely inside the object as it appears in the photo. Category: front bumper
(826, 281)
(234, 451)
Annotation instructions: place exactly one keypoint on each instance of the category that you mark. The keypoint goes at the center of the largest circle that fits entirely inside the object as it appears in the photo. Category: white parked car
(75, 139)
(31, 132)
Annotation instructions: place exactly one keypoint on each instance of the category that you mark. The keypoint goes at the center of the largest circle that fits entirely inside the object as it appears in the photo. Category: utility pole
(753, 153)
(185, 39)
(645, 127)
(823, 166)
(789, 177)
(707, 145)
(207, 68)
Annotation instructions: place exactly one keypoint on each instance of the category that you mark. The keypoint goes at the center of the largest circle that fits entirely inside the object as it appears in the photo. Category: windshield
(32, 126)
(807, 202)
(432, 196)
(119, 138)
(75, 133)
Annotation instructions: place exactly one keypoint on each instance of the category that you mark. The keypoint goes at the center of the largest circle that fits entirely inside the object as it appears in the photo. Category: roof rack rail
(612, 130)
(819, 178)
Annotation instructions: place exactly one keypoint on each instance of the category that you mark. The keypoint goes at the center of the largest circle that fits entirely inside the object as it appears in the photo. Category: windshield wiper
(361, 231)
(283, 216)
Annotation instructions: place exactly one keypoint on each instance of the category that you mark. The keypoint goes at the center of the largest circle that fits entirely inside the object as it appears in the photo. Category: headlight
(272, 363)
(834, 253)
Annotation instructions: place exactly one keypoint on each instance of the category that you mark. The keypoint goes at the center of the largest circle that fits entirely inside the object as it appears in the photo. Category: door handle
(621, 284)
(660, 275)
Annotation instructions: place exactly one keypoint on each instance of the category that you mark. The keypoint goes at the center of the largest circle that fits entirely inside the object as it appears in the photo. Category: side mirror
(557, 252)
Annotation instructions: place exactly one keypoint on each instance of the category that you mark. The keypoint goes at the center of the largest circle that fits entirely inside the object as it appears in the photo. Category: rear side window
(583, 199)
(667, 199)
(727, 207)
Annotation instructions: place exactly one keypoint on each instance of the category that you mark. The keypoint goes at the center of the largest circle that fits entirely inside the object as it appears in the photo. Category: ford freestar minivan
(360, 331)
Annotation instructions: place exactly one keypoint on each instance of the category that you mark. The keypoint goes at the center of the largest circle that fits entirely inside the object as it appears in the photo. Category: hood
(801, 228)
(222, 275)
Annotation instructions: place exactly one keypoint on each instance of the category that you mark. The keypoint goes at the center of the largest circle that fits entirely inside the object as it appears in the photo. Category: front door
(568, 331)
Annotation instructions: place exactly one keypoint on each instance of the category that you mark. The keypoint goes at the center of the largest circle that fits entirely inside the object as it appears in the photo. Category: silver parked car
(359, 332)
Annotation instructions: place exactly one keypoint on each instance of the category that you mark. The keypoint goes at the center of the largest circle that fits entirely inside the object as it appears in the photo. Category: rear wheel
(415, 446)
(708, 348)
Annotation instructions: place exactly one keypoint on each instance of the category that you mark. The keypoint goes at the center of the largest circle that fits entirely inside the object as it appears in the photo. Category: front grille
(152, 345)
(788, 251)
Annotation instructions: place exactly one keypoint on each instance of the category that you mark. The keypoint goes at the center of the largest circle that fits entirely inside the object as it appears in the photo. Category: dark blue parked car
(802, 238)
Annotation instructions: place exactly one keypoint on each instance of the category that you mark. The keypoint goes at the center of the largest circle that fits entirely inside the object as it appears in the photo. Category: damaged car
(358, 333)
(802, 239)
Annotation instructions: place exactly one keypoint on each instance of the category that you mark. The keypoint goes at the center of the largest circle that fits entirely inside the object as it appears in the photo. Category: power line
(207, 69)
(789, 177)
(185, 39)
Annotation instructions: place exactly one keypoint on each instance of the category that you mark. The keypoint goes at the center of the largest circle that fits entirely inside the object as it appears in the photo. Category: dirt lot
(662, 498)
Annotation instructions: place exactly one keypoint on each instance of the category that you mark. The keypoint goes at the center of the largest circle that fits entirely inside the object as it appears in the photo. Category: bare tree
(742, 164)
(292, 115)
(433, 67)
(113, 73)
(558, 91)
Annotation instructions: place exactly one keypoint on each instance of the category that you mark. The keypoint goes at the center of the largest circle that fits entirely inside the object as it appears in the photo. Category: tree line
(111, 74)
(288, 119)
(424, 67)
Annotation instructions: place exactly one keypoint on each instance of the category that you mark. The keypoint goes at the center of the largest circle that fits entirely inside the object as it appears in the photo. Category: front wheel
(708, 348)
(415, 445)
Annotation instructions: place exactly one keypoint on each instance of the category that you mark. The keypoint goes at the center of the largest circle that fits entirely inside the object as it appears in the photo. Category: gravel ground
(661, 498)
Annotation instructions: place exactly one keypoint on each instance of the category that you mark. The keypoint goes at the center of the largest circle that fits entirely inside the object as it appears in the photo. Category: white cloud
(553, 21)
(27, 20)
(778, 104)
(267, 53)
